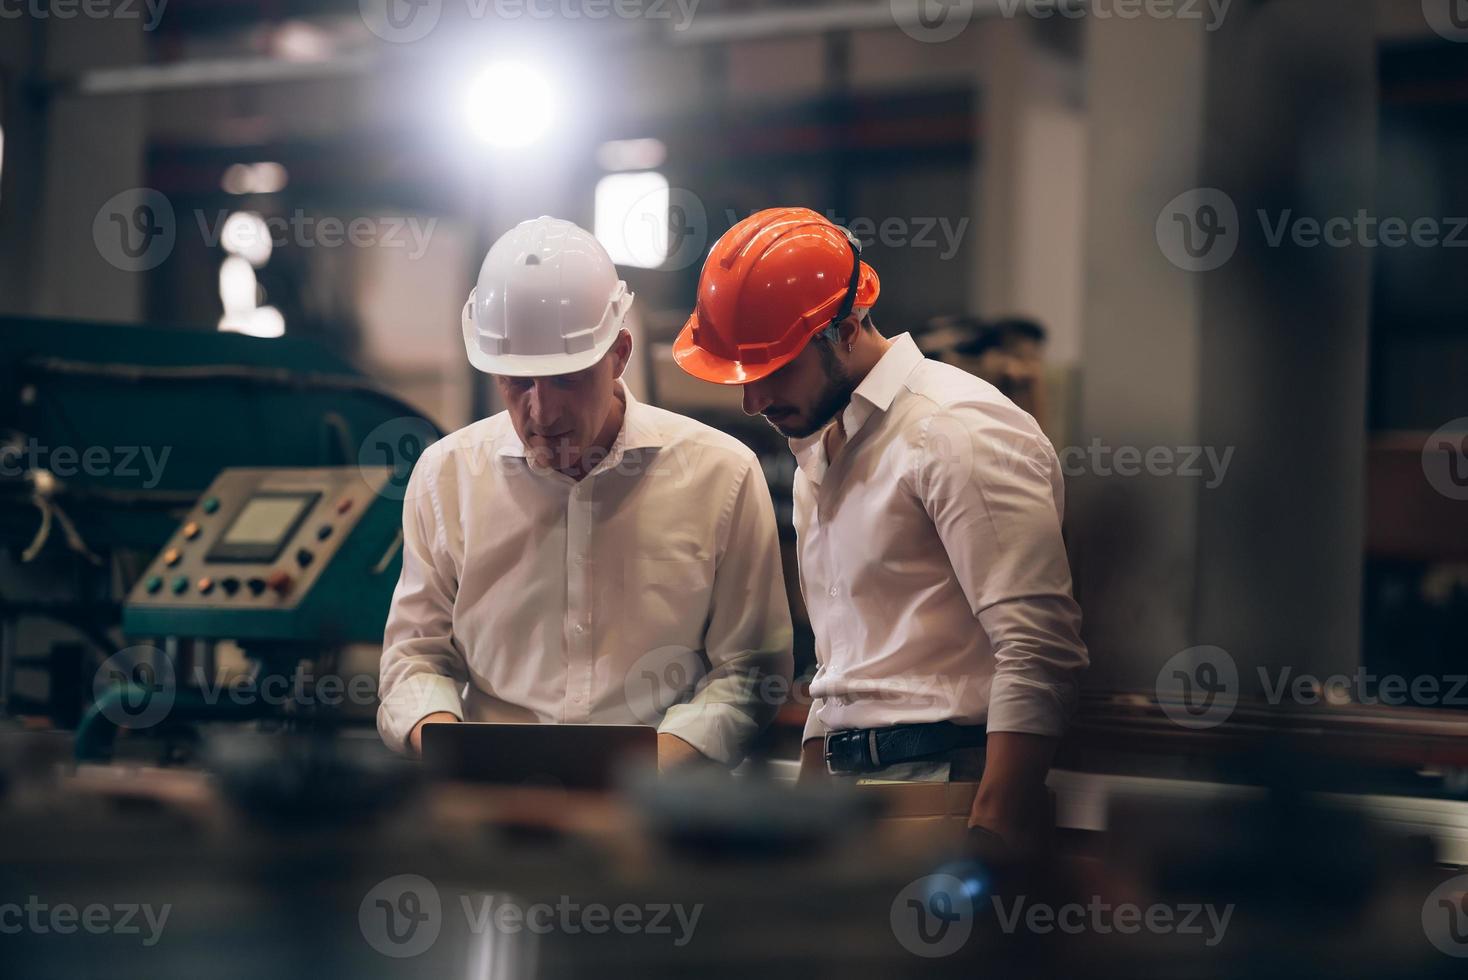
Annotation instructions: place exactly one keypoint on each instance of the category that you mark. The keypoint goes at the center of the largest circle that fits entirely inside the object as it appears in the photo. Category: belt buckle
(826, 753)
(869, 737)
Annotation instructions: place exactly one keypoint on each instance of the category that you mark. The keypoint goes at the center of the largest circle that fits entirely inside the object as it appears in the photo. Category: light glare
(509, 104)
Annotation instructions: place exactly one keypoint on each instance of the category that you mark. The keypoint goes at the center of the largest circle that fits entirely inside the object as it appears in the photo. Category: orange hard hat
(770, 284)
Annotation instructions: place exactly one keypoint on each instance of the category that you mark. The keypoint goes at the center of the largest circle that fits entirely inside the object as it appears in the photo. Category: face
(804, 395)
(560, 417)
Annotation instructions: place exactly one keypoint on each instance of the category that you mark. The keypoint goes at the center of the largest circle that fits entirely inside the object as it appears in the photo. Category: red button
(280, 580)
(344, 505)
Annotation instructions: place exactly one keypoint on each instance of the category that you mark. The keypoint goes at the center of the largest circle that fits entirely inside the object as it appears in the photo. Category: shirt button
(580, 628)
(833, 591)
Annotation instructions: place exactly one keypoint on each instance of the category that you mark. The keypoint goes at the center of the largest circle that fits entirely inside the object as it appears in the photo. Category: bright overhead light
(237, 285)
(245, 234)
(510, 104)
(254, 178)
(640, 154)
(632, 218)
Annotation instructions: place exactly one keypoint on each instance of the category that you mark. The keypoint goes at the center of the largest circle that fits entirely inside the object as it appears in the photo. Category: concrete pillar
(1263, 356)
(94, 149)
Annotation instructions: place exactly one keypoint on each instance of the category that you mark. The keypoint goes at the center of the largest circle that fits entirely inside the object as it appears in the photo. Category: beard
(830, 402)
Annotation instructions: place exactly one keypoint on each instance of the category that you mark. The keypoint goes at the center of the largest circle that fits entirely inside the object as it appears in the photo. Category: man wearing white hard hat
(582, 557)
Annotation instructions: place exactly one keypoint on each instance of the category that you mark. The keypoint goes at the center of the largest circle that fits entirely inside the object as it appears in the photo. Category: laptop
(568, 756)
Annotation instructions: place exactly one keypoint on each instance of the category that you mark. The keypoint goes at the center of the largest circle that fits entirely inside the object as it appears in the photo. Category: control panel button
(154, 583)
(344, 505)
(180, 585)
(303, 557)
(323, 532)
(191, 530)
(171, 556)
(280, 581)
(206, 585)
(257, 586)
(230, 585)
(211, 504)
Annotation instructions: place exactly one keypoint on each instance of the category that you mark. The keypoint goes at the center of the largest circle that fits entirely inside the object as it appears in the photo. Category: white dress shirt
(931, 558)
(648, 592)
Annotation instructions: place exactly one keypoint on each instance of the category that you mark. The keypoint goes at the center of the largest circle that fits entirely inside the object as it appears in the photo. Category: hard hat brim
(538, 365)
(699, 363)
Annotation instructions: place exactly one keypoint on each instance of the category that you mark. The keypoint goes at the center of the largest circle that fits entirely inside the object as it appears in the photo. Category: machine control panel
(272, 540)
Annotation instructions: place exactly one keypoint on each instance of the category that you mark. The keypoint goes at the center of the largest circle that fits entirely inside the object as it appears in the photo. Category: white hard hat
(548, 301)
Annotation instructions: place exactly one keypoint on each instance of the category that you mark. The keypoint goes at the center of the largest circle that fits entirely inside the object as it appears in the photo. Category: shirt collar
(875, 394)
(639, 430)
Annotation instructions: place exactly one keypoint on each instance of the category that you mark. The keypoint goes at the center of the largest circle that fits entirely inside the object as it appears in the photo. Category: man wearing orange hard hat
(928, 514)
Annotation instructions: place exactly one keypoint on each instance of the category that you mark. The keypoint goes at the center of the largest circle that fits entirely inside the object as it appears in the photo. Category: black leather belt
(870, 749)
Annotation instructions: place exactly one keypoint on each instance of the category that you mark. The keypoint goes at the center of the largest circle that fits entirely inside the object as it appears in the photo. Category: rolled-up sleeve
(423, 668)
(996, 499)
(748, 640)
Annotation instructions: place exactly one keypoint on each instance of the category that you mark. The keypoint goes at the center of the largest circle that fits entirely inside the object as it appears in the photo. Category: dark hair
(1018, 326)
(997, 333)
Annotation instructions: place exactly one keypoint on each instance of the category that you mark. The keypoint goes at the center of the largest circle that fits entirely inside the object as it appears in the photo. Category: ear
(849, 329)
(621, 352)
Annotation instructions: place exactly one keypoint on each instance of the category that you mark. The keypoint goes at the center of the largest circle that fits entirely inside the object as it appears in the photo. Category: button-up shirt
(648, 592)
(931, 558)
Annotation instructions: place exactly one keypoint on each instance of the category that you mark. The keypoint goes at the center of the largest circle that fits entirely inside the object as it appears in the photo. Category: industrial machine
(192, 492)
(307, 555)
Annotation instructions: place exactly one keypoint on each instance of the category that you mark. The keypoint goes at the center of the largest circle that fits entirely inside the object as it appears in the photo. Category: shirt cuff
(411, 700)
(1018, 704)
(721, 732)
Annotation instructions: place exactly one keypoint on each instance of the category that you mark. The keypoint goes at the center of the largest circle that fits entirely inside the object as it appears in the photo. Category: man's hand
(1013, 802)
(813, 761)
(415, 738)
(674, 753)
